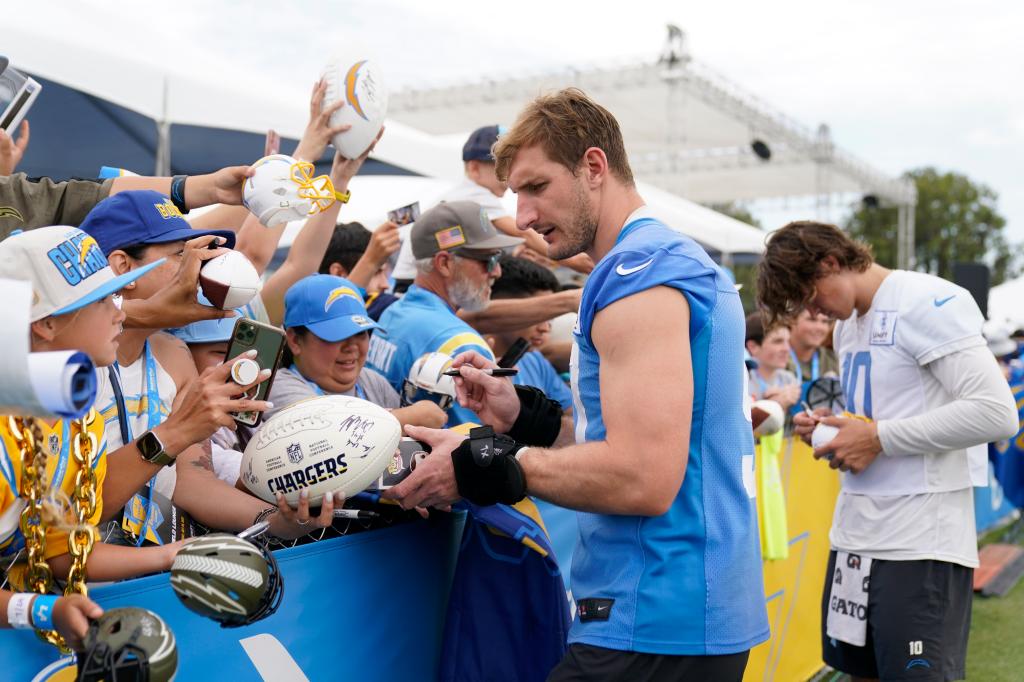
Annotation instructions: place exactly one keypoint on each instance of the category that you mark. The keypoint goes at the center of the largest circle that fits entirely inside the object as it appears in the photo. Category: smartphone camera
(245, 335)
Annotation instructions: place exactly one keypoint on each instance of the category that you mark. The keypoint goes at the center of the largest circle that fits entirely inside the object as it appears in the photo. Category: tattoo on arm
(205, 460)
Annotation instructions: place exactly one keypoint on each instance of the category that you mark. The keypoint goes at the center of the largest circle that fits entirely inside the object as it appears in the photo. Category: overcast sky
(901, 84)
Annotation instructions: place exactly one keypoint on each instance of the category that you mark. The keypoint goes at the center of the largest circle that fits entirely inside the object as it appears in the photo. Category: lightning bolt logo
(351, 79)
(10, 212)
(338, 293)
(83, 248)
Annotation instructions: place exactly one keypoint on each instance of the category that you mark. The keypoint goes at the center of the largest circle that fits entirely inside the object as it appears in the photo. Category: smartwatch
(152, 450)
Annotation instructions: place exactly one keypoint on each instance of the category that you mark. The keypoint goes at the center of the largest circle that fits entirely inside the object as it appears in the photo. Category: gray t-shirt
(291, 387)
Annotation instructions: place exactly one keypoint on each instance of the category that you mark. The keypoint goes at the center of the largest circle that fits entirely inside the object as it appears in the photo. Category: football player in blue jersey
(667, 571)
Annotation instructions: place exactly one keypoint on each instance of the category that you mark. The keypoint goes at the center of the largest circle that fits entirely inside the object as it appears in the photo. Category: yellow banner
(792, 586)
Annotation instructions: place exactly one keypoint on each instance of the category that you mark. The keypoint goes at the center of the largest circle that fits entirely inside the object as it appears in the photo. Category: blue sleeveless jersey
(689, 581)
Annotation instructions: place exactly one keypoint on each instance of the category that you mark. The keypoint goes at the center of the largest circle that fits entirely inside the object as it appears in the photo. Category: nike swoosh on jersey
(939, 302)
(629, 271)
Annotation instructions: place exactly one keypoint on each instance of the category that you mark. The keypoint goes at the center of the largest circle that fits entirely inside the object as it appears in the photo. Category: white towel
(848, 604)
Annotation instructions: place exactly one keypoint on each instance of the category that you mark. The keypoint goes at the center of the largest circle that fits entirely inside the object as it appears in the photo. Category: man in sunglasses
(457, 251)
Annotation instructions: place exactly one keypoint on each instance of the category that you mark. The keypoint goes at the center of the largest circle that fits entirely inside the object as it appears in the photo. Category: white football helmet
(284, 189)
(427, 381)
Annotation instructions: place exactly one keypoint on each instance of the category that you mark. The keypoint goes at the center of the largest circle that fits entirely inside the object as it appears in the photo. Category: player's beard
(467, 295)
(579, 235)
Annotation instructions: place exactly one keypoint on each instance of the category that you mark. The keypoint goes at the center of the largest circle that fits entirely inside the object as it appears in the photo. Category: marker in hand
(496, 372)
(354, 514)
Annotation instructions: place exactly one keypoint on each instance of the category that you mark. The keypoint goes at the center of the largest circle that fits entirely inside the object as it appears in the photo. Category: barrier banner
(792, 585)
(368, 606)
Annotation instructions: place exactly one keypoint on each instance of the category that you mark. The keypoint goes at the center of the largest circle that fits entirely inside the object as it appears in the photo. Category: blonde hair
(565, 124)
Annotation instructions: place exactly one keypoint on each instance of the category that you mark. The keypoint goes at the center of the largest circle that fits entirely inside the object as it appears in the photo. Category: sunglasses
(492, 259)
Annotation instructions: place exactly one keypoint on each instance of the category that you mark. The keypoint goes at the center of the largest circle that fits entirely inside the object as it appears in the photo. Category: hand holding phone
(268, 342)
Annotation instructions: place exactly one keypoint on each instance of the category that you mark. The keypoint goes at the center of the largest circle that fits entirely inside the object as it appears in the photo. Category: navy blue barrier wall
(368, 606)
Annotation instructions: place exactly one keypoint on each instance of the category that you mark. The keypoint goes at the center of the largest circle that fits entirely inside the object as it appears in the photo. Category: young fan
(74, 309)
(770, 349)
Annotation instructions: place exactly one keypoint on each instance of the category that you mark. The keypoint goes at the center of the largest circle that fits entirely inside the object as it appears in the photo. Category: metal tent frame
(688, 130)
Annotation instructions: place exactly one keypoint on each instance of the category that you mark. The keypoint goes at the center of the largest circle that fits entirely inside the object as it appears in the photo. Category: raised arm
(307, 251)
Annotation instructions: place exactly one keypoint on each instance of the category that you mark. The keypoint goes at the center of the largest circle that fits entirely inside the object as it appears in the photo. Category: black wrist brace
(539, 420)
(486, 469)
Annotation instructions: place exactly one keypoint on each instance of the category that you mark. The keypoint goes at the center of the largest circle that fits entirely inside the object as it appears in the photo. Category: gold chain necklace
(83, 503)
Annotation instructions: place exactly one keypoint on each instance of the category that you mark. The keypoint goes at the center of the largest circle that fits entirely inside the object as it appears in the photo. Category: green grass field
(995, 652)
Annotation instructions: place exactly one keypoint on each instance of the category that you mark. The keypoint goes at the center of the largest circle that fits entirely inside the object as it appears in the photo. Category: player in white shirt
(916, 370)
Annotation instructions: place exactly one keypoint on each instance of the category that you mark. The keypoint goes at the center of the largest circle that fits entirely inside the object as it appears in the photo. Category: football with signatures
(321, 445)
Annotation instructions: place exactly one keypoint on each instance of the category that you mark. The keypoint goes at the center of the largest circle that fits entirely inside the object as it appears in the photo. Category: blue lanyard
(65, 448)
(799, 369)
(360, 393)
(151, 390)
(762, 384)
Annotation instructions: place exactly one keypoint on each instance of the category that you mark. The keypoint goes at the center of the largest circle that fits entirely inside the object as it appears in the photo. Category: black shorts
(586, 663)
(919, 615)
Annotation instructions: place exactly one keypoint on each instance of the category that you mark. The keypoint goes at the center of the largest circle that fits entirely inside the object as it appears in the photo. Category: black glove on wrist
(539, 420)
(486, 469)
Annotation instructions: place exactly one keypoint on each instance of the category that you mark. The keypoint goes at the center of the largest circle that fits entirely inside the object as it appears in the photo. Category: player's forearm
(510, 314)
(983, 409)
(594, 477)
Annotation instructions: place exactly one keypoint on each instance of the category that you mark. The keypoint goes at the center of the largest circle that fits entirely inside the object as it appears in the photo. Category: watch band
(343, 197)
(152, 450)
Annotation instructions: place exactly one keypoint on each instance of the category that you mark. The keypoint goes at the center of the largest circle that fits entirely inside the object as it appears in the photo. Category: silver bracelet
(18, 609)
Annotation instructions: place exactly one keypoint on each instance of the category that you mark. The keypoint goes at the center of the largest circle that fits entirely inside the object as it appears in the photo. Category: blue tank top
(689, 581)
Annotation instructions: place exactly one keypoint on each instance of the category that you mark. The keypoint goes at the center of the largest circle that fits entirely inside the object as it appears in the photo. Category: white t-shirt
(134, 389)
(467, 190)
(909, 504)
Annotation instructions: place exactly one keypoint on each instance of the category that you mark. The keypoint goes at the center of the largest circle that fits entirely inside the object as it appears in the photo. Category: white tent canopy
(1006, 303)
(191, 88)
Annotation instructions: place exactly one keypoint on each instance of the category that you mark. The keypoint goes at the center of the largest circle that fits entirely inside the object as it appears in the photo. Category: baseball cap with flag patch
(142, 217)
(456, 225)
(66, 266)
(330, 307)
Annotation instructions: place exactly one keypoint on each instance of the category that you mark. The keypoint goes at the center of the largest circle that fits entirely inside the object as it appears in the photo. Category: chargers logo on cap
(77, 258)
(168, 210)
(351, 79)
(338, 293)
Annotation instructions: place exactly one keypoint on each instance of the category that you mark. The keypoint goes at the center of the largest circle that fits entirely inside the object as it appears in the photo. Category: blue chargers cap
(330, 307)
(141, 217)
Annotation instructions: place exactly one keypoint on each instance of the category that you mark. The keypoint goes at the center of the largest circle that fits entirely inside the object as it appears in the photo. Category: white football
(272, 194)
(229, 281)
(360, 84)
(823, 435)
(323, 445)
(775, 420)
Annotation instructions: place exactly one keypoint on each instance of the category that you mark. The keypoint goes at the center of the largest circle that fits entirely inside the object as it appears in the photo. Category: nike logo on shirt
(939, 302)
(622, 270)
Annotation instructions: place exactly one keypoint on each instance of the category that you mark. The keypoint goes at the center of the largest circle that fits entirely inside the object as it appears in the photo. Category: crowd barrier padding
(368, 606)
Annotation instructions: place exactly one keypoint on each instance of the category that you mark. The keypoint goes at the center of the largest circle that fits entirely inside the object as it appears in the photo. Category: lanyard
(799, 369)
(65, 448)
(360, 393)
(151, 392)
(761, 383)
